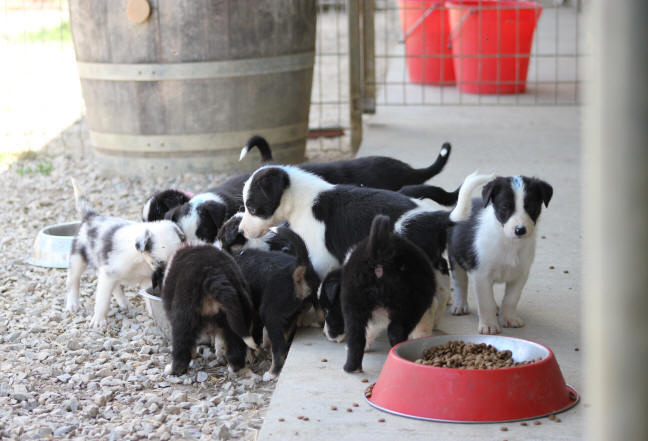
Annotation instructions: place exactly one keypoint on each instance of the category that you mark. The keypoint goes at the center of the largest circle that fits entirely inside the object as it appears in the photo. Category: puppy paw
(98, 322)
(72, 305)
(269, 376)
(512, 321)
(460, 309)
(352, 369)
(489, 328)
(123, 303)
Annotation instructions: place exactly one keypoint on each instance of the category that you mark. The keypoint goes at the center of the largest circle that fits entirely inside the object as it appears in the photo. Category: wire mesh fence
(418, 53)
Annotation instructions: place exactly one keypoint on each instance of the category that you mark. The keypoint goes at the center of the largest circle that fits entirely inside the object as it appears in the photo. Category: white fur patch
(461, 211)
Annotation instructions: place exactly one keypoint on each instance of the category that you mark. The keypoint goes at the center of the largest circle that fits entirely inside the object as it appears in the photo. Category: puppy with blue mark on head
(494, 242)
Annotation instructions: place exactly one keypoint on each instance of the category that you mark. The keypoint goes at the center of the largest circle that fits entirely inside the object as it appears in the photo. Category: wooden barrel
(181, 86)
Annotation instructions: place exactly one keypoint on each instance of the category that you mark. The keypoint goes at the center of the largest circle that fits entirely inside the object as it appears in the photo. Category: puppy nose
(520, 230)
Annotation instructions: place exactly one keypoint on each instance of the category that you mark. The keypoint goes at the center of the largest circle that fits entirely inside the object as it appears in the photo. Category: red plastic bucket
(425, 31)
(491, 43)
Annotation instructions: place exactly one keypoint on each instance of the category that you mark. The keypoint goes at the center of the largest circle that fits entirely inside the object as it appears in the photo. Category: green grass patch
(53, 34)
(29, 162)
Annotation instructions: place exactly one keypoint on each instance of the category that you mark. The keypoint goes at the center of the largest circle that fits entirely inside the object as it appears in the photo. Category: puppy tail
(474, 180)
(442, 159)
(82, 204)
(238, 308)
(260, 143)
(381, 228)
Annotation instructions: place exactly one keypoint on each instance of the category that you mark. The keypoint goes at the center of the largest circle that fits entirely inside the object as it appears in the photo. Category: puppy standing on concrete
(495, 243)
(387, 282)
(113, 246)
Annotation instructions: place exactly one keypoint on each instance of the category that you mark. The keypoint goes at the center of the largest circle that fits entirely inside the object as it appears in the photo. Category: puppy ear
(181, 234)
(172, 214)
(299, 278)
(144, 243)
(214, 211)
(546, 191)
(228, 232)
(331, 285)
(489, 191)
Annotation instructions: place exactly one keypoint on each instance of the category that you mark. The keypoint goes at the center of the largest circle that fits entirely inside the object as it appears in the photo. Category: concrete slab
(533, 141)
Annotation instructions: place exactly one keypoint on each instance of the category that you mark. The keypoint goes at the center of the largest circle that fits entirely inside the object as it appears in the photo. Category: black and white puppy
(370, 171)
(495, 243)
(282, 286)
(387, 282)
(204, 292)
(426, 229)
(229, 192)
(114, 248)
(330, 218)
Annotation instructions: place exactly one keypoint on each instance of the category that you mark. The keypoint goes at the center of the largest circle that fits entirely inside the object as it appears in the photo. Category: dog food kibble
(576, 349)
(504, 429)
(305, 419)
(324, 360)
(355, 404)
(523, 423)
(462, 355)
(382, 420)
(369, 390)
(364, 380)
(349, 410)
(300, 417)
(552, 417)
(557, 420)
(552, 267)
(333, 407)
(281, 420)
(566, 272)
(536, 423)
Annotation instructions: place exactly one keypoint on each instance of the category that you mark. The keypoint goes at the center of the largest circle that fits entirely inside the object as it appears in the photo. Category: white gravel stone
(201, 376)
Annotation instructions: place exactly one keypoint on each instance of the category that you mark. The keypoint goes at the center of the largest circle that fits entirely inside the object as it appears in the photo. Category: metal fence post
(355, 74)
(368, 57)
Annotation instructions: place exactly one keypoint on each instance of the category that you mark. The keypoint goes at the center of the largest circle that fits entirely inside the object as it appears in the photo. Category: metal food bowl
(53, 244)
(425, 392)
(155, 308)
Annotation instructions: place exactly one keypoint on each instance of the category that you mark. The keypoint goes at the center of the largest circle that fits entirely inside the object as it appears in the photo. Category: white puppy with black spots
(495, 243)
(122, 252)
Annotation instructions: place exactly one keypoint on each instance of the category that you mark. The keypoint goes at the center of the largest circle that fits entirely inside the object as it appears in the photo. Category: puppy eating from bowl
(114, 248)
(495, 243)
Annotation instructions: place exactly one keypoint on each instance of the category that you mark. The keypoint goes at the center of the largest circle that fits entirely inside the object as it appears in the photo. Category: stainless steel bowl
(156, 310)
(52, 245)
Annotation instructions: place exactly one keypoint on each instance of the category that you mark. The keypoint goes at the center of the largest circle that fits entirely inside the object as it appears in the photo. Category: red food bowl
(472, 395)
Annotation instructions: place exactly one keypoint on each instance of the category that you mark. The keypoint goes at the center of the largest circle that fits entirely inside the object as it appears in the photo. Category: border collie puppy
(282, 287)
(330, 218)
(157, 206)
(495, 243)
(113, 247)
(426, 229)
(387, 282)
(203, 291)
(370, 171)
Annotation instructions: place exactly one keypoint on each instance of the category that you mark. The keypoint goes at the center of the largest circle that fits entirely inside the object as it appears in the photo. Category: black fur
(282, 286)
(260, 143)
(437, 194)
(164, 201)
(198, 281)
(429, 231)
(266, 190)
(371, 171)
(329, 301)
(388, 271)
(461, 239)
(348, 211)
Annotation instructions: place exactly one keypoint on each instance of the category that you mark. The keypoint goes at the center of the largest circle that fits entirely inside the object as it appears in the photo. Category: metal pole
(615, 157)
(355, 74)
(368, 57)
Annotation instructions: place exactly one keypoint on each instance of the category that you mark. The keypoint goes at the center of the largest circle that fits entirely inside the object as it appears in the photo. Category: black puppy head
(517, 203)
(228, 237)
(211, 215)
(160, 203)
(262, 195)
(328, 298)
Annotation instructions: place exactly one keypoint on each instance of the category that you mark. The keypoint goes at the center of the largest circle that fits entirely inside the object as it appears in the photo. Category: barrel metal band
(195, 70)
(194, 143)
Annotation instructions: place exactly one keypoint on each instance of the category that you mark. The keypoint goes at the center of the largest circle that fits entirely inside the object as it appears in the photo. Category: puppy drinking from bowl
(113, 247)
(495, 243)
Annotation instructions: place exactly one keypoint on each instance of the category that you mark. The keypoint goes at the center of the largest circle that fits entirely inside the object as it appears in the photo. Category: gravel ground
(60, 379)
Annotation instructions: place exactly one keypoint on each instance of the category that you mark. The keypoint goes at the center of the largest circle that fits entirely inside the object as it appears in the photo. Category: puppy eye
(252, 211)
